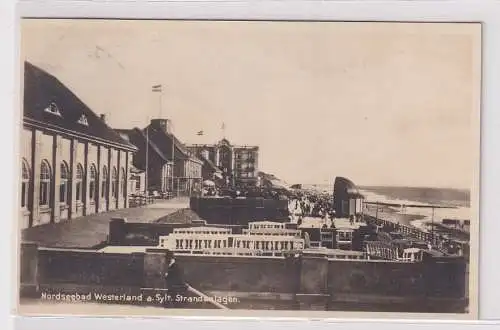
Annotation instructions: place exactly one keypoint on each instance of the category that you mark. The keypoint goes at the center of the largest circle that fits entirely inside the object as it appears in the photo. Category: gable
(49, 102)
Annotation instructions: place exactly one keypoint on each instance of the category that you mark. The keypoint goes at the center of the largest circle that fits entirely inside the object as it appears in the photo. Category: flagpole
(161, 104)
(173, 161)
(147, 161)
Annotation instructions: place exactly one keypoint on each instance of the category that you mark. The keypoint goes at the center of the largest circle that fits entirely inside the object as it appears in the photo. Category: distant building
(72, 163)
(171, 166)
(239, 164)
(137, 181)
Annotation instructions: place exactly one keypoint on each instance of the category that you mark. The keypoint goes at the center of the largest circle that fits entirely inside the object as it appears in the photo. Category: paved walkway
(89, 231)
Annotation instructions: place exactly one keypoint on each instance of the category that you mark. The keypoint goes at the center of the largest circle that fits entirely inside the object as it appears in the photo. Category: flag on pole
(223, 126)
(156, 88)
(199, 133)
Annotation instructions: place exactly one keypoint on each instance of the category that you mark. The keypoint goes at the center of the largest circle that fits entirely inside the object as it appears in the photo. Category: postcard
(249, 168)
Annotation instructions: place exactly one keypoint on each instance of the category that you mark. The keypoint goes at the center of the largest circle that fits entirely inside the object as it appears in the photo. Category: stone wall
(306, 282)
(240, 274)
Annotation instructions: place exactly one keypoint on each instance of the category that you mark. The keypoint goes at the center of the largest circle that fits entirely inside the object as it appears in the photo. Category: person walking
(175, 284)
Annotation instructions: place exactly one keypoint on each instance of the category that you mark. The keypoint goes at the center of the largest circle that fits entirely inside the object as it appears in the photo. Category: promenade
(89, 231)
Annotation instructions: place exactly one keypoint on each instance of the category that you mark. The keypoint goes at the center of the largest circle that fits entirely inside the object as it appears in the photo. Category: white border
(486, 11)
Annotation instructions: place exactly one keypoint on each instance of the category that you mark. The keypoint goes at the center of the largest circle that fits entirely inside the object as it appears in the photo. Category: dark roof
(138, 138)
(347, 187)
(163, 141)
(210, 164)
(42, 89)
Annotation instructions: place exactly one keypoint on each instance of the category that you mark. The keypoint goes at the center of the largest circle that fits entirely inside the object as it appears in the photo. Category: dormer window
(83, 120)
(53, 109)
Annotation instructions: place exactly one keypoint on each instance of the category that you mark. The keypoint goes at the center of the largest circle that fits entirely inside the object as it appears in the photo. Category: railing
(256, 225)
(389, 252)
(381, 250)
(202, 242)
(272, 232)
(437, 242)
(203, 230)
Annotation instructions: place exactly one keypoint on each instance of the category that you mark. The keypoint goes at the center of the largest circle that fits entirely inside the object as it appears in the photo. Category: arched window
(78, 182)
(114, 183)
(25, 183)
(104, 182)
(124, 183)
(92, 183)
(64, 184)
(45, 180)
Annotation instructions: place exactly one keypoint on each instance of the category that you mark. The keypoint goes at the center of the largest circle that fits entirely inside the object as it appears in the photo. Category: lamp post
(432, 225)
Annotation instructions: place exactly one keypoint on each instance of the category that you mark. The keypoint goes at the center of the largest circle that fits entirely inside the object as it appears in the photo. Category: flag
(199, 133)
(223, 126)
(156, 88)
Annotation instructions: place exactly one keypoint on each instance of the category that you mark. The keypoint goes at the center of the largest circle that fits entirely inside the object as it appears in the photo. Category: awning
(218, 175)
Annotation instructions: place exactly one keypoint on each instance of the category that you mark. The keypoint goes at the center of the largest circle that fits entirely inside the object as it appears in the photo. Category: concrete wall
(239, 211)
(240, 274)
(312, 283)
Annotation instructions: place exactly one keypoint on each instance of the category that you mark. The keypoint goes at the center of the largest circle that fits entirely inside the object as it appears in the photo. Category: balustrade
(195, 241)
(272, 232)
(265, 225)
(203, 230)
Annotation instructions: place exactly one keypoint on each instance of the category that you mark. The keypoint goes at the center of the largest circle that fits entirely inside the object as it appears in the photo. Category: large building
(164, 150)
(239, 164)
(72, 163)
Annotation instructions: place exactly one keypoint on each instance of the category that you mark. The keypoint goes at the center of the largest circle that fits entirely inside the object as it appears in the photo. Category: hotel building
(239, 164)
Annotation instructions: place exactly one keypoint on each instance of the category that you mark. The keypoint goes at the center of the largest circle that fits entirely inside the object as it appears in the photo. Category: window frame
(93, 183)
(79, 179)
(25, 183)
(44, 198)
(104, 182)
(64, 182)
(114, 183)
(123, 183)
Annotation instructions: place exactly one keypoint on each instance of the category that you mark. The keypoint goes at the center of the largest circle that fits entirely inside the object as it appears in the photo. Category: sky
(379, 103)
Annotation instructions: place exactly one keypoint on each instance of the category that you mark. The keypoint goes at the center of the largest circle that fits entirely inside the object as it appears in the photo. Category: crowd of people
(310, 204)
(242, 191)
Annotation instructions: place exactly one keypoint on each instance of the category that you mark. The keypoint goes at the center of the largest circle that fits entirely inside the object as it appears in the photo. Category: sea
(456, 198)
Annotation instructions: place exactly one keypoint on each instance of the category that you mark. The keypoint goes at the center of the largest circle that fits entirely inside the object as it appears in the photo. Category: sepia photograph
(248, 168)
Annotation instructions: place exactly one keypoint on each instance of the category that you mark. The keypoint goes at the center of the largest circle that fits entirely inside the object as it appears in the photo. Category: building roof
(163, 141)
(345, 186)
(50, 104)
(139, 138)
(211, 164)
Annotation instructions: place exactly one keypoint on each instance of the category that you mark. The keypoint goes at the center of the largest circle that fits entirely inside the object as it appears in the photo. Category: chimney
(103, 117)
(164, 124)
